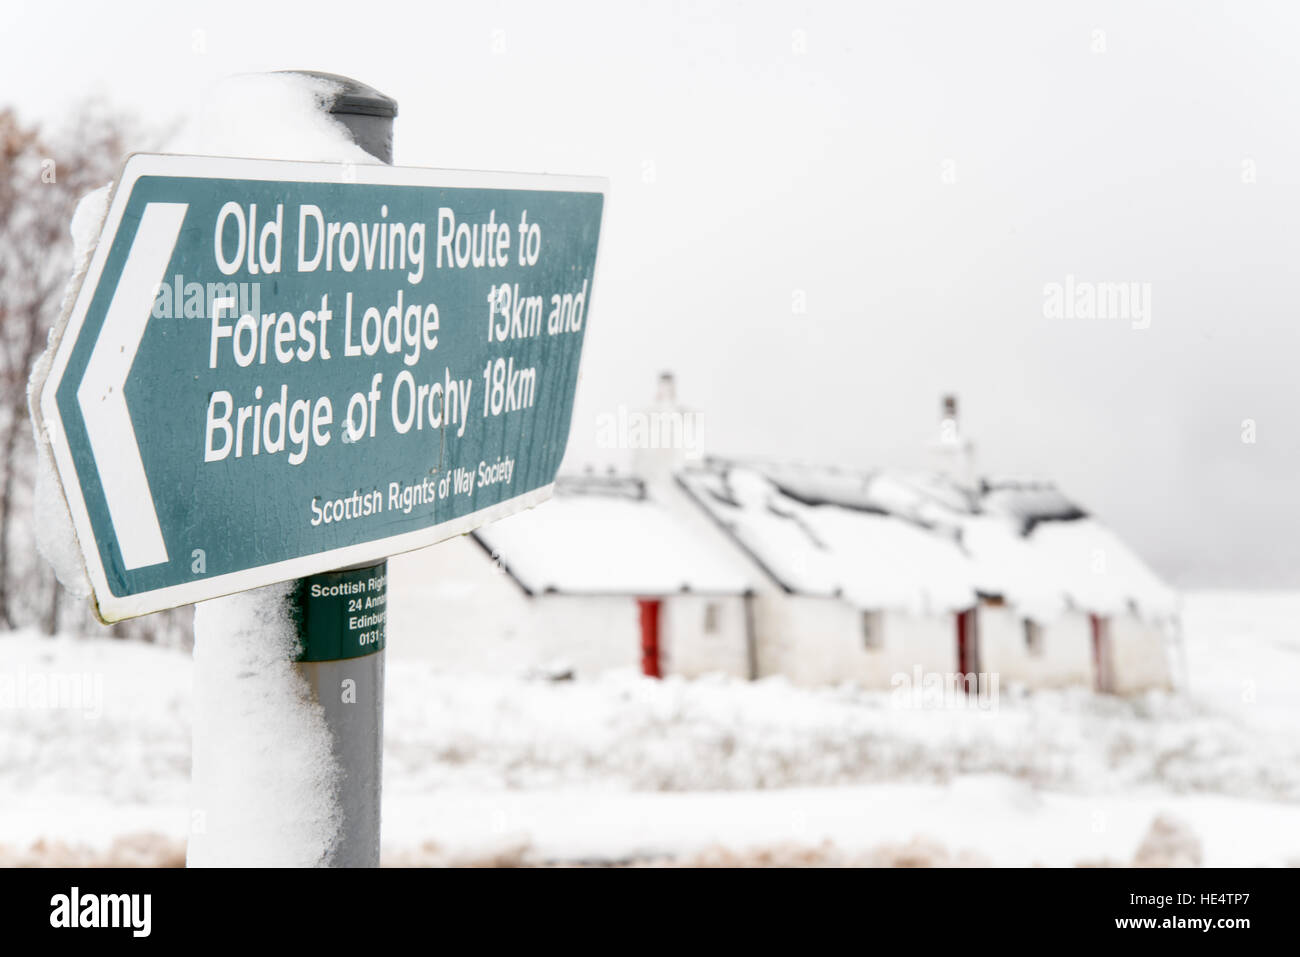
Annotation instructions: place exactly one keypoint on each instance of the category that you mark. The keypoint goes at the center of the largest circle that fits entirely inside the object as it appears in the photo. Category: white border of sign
(110, 607)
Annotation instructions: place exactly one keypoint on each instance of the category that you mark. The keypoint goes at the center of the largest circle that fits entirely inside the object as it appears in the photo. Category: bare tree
(43, 175)
(33, 255)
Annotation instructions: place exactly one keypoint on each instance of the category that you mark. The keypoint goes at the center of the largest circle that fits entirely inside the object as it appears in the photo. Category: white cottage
(819, 574)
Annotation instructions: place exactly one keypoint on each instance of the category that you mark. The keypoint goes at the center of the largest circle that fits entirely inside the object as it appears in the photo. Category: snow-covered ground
(620, 768)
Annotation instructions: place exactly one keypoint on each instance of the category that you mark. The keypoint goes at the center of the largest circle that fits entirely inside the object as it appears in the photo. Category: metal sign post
(343, 616)
(342, 629)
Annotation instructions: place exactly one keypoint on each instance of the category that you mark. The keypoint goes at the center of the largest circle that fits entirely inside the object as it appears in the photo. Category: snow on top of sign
(891, 539)
(87, 220)
(612, 538)
(269, 116)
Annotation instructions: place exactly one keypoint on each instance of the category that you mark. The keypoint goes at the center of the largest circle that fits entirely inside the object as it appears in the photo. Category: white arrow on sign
(102, 393)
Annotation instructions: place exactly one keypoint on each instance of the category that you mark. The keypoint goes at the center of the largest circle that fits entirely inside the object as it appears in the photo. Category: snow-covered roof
(811, 544)
(601, 535)
(1027, 502)
(891, 539)
(877, 539)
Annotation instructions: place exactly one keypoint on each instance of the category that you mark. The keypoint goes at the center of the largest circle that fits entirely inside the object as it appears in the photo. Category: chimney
(665, 436)
(666, 394)
(955, 456)
(949, 430)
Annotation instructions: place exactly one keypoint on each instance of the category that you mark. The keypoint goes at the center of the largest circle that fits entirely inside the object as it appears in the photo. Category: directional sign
(273, 369)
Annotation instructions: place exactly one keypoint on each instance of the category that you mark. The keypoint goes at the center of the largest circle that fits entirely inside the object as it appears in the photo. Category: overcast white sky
(777, 170)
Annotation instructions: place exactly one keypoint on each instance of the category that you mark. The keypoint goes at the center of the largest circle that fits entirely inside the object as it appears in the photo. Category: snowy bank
(623, 768)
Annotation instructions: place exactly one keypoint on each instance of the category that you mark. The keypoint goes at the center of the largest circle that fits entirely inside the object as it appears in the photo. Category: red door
(1103, 675)
(968, 657)
(650, 636)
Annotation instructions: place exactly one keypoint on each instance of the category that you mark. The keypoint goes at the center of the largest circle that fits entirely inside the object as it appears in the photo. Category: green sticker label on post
(343, 614)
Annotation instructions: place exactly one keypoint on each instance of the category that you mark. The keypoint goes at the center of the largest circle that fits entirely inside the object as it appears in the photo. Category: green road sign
(273, 369)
